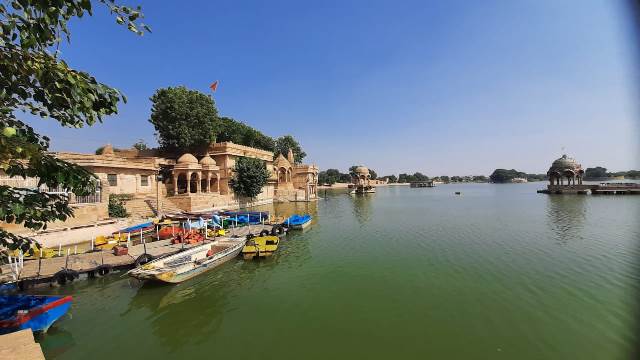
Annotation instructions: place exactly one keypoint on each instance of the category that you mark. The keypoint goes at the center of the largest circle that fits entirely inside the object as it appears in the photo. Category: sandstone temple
(155, 183)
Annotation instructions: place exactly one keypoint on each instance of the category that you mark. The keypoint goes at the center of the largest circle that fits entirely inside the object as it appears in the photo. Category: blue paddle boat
(38, 312)
(298, 221)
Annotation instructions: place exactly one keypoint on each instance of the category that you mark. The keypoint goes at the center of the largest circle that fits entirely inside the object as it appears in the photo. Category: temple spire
(290, 156)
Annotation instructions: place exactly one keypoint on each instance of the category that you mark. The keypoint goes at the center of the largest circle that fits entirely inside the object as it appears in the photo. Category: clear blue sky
(441, 87)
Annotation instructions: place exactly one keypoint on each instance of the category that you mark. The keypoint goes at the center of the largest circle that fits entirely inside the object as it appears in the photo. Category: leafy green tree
(595, 173)
(116, 206)
(445, 178)
(249, 177)
(373, 174)
(330, 176)
(183, 118)
(392, 178)
(284, 143)
(503, 175)
(35, 80)
(239, 133)
(140, 145)
(405, 178)
(418, 176)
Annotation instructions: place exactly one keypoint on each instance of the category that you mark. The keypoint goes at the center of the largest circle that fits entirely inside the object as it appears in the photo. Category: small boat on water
(38, 312)
(260, 246)
(298, 221)
(189, 263)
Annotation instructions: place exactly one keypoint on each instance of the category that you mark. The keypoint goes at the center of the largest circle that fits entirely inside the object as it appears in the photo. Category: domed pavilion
(565, 168)
(362, 180)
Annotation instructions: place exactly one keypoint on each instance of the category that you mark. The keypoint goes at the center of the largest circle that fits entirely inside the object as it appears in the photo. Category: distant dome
(187, 159)
(207, 160)
(362, 170)
(565, 163)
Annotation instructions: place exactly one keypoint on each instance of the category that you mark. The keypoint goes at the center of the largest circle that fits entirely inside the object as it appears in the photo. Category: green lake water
(499, 272)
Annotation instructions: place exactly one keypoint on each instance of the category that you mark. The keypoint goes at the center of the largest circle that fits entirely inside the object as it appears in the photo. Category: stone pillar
(189, 182)
(218, 182)
(209, 181)
(175, 182)
(199, 182)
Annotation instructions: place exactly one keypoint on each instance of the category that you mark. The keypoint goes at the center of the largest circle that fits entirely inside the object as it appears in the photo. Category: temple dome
(565, 163)
(362, 170)
(565, 166)
(207, 160)
(187, 159)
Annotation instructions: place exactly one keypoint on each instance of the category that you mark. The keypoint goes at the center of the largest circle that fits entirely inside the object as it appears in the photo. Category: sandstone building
(190, 182)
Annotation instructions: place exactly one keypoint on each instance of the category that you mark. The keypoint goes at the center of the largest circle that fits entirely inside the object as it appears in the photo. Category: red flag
(214, 86)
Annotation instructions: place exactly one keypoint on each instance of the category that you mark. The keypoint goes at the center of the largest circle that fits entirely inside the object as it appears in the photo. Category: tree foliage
(184, 119)
(249, 177)
(116, 205)
(329, 176)
(140, 145)
(504, 175)
(284, 143)
(390, 178)
(238, 132)
(595, 173)
(407, 178)
(34, 80)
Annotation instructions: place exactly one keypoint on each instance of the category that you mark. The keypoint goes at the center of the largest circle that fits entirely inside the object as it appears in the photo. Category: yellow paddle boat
(105, 243)
(35, 252)
(260, 246)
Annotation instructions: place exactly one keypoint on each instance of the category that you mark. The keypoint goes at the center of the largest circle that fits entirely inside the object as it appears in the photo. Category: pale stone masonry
(193, 182)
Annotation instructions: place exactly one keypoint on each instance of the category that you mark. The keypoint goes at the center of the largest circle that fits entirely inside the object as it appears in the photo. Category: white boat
(189, 263)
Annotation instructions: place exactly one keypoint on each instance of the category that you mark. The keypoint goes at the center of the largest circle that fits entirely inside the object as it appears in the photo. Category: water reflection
(173, 308)
(362, 207)
(58, 341)
(566, 216)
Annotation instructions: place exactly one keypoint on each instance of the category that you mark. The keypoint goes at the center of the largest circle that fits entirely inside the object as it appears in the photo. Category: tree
(249, 177)
(140, 145)
(243, 134)
(373, 174)
(595, 173)
(405, 178)
(503, 175)
(392, 178)
(445, 179)
(183, 118)
(330, 176)
(33, 79)
(284, 143)
(418, 176)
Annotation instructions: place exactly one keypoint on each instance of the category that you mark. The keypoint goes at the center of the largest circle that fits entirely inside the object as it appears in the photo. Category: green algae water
(498, 272)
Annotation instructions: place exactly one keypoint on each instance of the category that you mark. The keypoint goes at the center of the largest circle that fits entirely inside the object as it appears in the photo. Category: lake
(497, 272)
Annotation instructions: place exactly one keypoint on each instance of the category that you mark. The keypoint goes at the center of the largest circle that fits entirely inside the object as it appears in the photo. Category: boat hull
(178, 278)
(38, 318)
(195, 265)
(301, 226)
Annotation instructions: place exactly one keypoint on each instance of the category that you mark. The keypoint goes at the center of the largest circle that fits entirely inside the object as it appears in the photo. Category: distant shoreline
(346, 185)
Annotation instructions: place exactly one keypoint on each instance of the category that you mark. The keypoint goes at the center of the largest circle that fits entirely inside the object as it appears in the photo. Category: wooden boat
(298, 221)
(189, 263)
(260, 246)
(38, 312)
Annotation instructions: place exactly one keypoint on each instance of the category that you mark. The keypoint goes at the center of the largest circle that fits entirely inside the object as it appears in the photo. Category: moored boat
(38, 312)
(298, 221)
(189, 263)
(260, 246)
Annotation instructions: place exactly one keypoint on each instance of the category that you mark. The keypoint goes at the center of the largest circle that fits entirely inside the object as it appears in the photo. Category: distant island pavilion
(566, 177)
